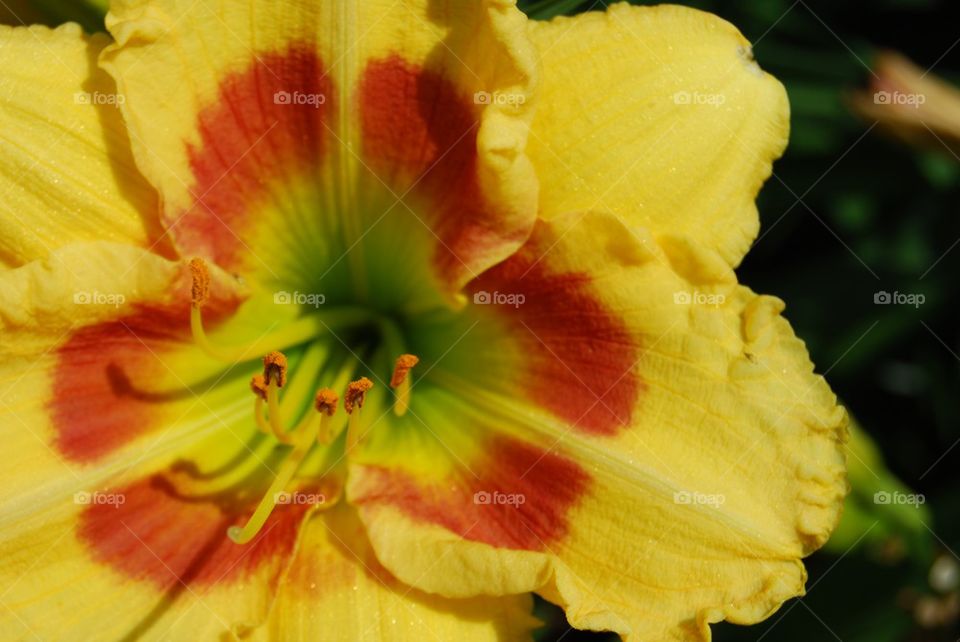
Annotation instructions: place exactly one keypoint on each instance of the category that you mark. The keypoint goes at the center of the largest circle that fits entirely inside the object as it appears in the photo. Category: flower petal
(336, 590)
(66, 171)
(277, 133)
(660, 115)
(97, 368)
(147, 559)
(693, 506)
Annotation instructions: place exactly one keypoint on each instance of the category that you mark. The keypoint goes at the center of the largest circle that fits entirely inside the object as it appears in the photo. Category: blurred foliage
(89, 13)
(847, 213)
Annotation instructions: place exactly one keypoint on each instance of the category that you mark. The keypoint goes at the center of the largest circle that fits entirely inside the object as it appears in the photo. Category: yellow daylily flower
(345, 321)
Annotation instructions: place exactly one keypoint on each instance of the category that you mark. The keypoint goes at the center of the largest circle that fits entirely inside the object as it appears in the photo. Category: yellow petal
(276, 131)
(660, 115)
(137, 561)
(336, 591)
(687, 497)
(66, 172)
(88, 379)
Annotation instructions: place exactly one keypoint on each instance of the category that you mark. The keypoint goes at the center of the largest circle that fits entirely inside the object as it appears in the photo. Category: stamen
(287, 470)
(356, 393)
(200, 291)
(275, 368)
(353, 400)
(275, 375)
(259, 387)
(400, 381)
(294, 333)
(199, 294)
(326, 405)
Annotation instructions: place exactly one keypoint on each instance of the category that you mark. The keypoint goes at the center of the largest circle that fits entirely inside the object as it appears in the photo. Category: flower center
(317, 427)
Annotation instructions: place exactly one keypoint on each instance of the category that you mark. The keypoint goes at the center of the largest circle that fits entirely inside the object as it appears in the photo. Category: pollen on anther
(403, 365)
(259, 386)
(200, 291)
(355, 394)
(326, 401)
(275, 369)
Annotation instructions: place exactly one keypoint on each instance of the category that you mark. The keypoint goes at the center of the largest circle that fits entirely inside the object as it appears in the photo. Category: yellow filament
(260, 418)
(354, 435)
(275, 414)
(287, 470)
(402, 403)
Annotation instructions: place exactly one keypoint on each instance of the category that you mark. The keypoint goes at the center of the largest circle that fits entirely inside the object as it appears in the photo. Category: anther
(200, 291)
(275, 368)
(400, 381)
(352, 403)
(258, 385)
(275, 376)
(326, 405)
(356, 392)
(326, 402)
(403, 365)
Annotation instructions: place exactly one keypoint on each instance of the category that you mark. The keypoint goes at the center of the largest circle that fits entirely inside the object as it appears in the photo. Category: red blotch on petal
(101, 395)
(155, 535)
(580, 356)
(268, 123)
(110, 383)
(520, 498)
(420, 135)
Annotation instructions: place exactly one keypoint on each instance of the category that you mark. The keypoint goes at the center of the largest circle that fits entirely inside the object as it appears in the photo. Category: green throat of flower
(319, 424)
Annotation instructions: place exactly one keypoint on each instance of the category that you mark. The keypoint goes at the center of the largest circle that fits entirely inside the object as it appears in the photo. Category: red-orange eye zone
(370, 316)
